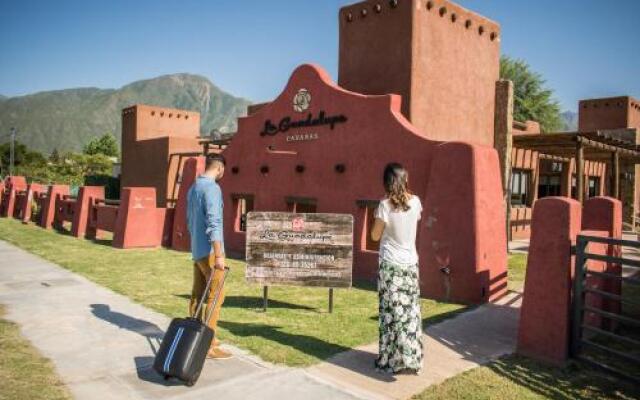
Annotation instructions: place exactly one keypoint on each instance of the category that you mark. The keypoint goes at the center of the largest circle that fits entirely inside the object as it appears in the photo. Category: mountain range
(68, 119)
(570, 119)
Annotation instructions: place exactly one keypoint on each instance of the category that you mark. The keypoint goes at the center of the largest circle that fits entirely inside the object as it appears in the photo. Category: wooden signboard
(299, 249)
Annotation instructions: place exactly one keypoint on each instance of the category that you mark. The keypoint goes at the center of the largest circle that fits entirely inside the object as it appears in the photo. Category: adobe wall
(545, 315)
(462, 222)
(608, 113)
(441, 58)
(149, 136)
(617, 113)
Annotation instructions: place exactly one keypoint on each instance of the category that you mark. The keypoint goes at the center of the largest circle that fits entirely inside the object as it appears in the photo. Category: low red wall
(77, 210)
(545, 316)
(12, 185)
(25, 200)
(48, 204)
(139, 222)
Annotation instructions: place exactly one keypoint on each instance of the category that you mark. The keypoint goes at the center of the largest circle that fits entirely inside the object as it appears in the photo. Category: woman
(399, 317)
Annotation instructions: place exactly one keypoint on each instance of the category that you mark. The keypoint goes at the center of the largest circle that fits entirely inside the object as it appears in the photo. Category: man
(204, 218)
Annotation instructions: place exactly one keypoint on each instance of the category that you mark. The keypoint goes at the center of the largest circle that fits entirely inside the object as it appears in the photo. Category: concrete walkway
(102, 345)
(450, 347)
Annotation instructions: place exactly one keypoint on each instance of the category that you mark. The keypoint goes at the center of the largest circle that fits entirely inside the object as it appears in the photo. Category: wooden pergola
(602, 146)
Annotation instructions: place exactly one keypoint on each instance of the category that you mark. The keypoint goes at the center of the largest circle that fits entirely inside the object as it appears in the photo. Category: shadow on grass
(310, 345)
(575, 381)
(103, 242)
(255, 302)
(67, 232)
(363, 284)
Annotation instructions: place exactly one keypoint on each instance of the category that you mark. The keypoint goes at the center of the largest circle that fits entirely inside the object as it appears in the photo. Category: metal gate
(606, 309)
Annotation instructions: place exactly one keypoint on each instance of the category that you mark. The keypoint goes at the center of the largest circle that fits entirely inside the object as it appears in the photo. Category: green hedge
(111, 185)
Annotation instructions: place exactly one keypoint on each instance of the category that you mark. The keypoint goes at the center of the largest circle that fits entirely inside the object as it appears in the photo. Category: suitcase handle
(206, 293)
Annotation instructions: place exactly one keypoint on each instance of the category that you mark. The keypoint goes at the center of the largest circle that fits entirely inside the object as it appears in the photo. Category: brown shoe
(218, 354)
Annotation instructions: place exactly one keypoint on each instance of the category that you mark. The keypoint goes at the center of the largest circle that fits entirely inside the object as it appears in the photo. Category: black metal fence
(606, 308)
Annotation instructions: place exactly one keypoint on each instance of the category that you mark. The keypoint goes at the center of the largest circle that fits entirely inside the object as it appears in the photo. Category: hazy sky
(584, 48)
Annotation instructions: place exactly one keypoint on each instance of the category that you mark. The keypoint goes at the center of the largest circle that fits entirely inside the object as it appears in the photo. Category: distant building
(545, 164)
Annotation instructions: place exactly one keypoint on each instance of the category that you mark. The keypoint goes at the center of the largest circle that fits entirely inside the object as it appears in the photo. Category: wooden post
(265, 298)
(330, 300)
(579, 171)
(615, 175)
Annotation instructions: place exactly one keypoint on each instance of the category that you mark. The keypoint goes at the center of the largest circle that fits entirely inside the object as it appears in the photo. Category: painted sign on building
(299, 249)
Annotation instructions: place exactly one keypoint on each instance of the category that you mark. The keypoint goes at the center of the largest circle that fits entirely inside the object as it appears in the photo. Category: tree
(54, 157)
(532, 100)
(106, 145)
(22, 156)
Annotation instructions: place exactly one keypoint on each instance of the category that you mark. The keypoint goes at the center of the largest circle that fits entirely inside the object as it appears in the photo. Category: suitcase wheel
(166, 377)
(190, 383)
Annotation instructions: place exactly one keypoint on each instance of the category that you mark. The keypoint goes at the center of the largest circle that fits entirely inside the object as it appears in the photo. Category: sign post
(299, 249)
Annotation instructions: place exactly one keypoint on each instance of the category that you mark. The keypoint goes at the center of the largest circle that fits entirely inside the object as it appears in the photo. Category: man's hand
(219, 255)
(219, 263)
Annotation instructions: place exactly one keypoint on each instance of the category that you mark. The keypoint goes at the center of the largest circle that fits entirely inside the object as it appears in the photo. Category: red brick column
(48, 204)
(139, 222)
(87, 196)
(181, 240)
(605, 214)
(33, 191)
(12, 185)
(546, 306)
(592, 282)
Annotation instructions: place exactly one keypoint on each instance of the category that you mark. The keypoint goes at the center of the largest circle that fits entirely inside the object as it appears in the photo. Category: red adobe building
(321, 148)
(403, 95)
(544, 169)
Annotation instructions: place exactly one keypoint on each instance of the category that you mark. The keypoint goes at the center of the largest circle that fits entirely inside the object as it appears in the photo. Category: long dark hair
(396, 183)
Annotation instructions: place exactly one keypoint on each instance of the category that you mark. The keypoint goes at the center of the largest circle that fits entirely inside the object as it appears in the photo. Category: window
(549, 185)
(370, 244)
(243, 204)
(520, 187)
(594, 186)
(301, 204)
(368, 210)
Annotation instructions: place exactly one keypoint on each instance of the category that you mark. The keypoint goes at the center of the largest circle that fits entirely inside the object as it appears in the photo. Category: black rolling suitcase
(185, 345)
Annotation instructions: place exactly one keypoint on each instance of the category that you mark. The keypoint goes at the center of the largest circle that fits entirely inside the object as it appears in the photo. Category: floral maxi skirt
(399, 319)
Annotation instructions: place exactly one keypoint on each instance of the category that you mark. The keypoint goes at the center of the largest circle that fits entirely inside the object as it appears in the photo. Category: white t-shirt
(398, 242)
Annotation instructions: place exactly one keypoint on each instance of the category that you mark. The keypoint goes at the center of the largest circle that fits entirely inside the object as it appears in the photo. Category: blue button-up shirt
(204, 216)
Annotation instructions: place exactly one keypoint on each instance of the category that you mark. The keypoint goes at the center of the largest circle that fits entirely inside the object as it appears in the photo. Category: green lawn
(519, 378)
(297, 330)
(25, 374)
(515, 377)
(517, 270)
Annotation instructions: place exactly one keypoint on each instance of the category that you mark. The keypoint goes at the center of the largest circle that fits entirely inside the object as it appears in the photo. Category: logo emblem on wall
(301, 100)
(297, 224)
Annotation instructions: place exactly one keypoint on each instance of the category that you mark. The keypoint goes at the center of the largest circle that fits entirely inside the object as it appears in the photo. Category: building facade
(152, 140)
(538, 174)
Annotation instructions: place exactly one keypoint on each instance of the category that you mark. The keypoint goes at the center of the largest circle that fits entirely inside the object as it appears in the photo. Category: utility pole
(11, 153)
